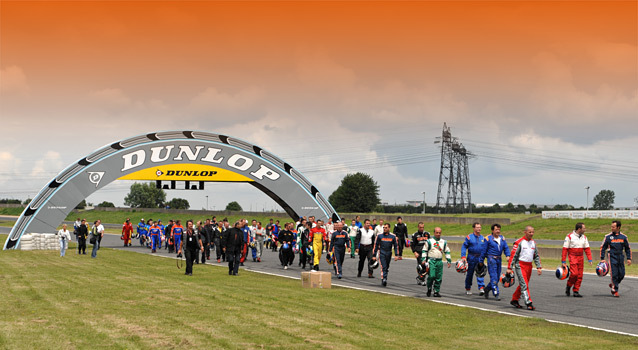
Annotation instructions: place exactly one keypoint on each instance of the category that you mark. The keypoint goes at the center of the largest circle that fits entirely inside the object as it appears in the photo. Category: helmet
(295, 249)
(423, 268)
(562, 273)
(309, 250)
(285, 246)
(480, 270)
(602, 269)
(374, 264)
(507, 279)
(252, 244)
(329, 259)
(407, 243)
(461, 266)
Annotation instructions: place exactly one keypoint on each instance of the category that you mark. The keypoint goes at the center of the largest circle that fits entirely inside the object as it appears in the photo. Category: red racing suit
(523, 253)
(574, 246)
(127, 230)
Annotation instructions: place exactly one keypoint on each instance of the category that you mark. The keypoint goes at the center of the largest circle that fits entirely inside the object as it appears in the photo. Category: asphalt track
(597, 309)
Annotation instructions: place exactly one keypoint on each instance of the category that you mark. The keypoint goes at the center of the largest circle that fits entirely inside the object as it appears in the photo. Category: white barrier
(40, 241)
(591, 214)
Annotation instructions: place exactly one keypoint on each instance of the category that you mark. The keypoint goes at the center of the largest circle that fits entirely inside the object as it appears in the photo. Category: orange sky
(189, 44)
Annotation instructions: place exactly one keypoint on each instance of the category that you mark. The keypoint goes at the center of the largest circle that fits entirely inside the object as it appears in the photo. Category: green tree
(178, 203)
(233, 206)
(81, 205)
(106, 204)
(604, 200)
(145, 195)
(27, 201)
(358, 193)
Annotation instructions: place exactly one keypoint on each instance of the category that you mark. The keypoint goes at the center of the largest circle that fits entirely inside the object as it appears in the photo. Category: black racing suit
(418, 240)
(304, 236)
(401, 231)
(286, 256)
(233, 242)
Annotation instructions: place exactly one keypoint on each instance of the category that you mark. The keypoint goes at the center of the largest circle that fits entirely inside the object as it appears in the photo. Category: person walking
(364, 246)
(616, 242)
(494, 247)
(317, 235)
(304, 243)
(434, 249)
(206, 234)
(353, 229)
(127, 231)
(383, 246)
(217, 238)
(338, 244)
(418, 240)
(65, 236)
(83, 234)
(170, 245)
(100, 231)
(95, 237)
(575, 245)
(471, 250)
(523, 253)
(287, 239)
(177, 231)
(154, 232)
(260, 236)
(190, 244)
(232, 244)
(401, 232)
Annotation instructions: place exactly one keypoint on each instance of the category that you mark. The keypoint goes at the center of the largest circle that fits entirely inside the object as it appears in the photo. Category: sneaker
(468, 292)
(359, 274)
(384, 282)
(429, 292)
(437, 295)
(370, 275)
(530, 307)
(286, 267)
(486, 295)
(515, 304)
(218, 260)
(616, 294)
(400, 258)
(481, 291)
(497, 297)
(339, 276)
(241, 264)
(577, 295)
(567, 291)
(258, 259)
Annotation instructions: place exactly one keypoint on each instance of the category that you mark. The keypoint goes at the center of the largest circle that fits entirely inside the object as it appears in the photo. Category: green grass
(124, 300)
(118, 217)
(11, 211)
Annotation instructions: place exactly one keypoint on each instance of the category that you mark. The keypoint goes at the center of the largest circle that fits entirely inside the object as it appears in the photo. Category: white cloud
(48, 166)
(13, 81)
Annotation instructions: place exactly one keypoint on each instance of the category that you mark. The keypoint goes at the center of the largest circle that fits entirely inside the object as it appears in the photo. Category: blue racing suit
(141, 231)
(473, 246)
(338, 243)
(493, 252)
(616, 244)
(383, 245)
(155, 232)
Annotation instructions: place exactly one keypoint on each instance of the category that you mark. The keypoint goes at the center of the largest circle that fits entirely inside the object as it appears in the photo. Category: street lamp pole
(206, 202)
(423, 202)
(587, 188)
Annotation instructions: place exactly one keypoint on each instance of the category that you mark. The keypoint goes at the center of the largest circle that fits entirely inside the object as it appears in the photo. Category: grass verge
(77, 302)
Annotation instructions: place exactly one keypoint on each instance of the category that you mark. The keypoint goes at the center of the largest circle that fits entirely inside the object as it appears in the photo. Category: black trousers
(286, 256)
(365, 251)
(401, 244)
(206, 252)
(340, 253)
(190, 255)
(218, 248)
(304, 255)
(82, 245)
(233, 262)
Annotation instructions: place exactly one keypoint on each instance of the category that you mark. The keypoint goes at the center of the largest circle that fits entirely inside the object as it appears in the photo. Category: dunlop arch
(192, 156)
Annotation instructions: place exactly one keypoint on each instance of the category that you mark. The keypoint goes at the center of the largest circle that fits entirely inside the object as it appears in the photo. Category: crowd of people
(375, 244)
